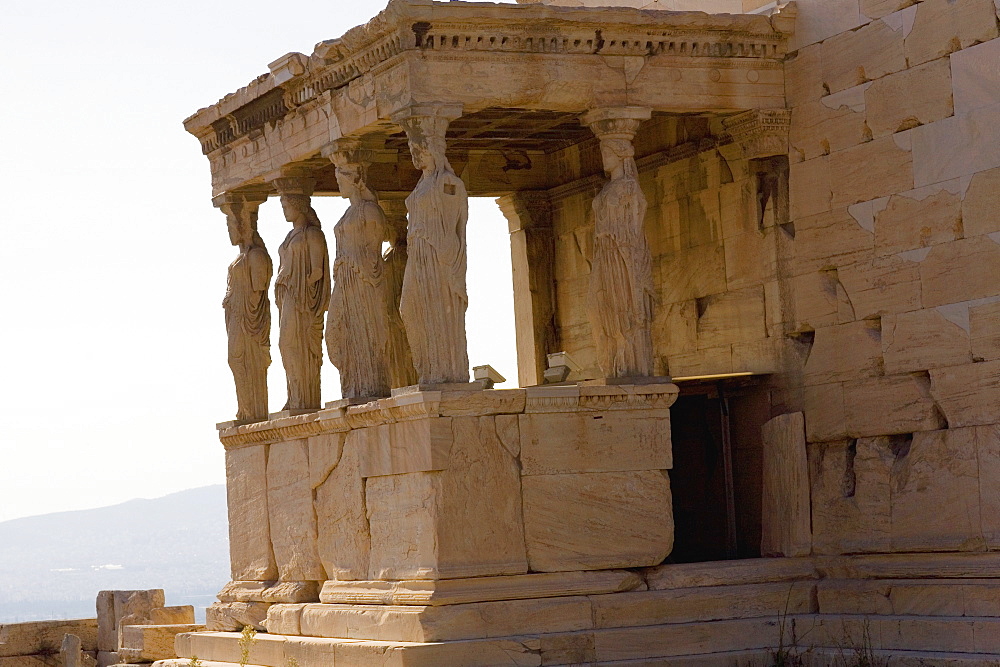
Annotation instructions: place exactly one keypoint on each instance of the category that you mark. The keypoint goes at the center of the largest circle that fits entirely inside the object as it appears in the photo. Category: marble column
(247, 307)
(302, 291)
(401, 371)
(621, 281)
(357, 329)
(434, 297)
(532, 253)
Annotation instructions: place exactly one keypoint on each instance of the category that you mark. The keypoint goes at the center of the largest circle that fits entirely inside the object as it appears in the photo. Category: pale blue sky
(113, 259)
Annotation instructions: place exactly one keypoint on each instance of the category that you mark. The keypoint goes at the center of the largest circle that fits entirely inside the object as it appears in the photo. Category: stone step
(839, 658)
(484, 620)
(958, 634)
(726, 641)
(910, 597)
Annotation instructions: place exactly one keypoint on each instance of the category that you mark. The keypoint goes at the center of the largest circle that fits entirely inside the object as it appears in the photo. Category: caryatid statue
(621, 279)
(302, 290)
(434, 297)
(401, 371)
(357, 330)
(247, 308)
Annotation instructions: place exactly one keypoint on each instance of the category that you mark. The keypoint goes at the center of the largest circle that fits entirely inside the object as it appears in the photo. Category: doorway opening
(716, 480)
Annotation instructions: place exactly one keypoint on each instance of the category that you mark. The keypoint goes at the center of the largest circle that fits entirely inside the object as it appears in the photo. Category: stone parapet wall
(38, 643)
(447, 484)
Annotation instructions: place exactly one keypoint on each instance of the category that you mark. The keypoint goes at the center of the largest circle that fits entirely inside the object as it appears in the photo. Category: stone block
(968, 565)
(923, 339)
(809, 187)
(691, 273)
(957, 146)
(918, 219)
(881, 286)
(975, 77)
(819, 20)
(984, 330)
(284, 619)
(234, 616)
(147, 643)
(481, 589)
(682, 639)
(938, 470)
(18, 639)
(906, 99)
(413, 445)
(911, 598)
(988, 450)
(708, 361)
(591, 521)
(875, 169)
(731, 317)
(850, 491)
(477, 403)
(785, 510)
(981, 202)
(828, 240)
(460, 522)
(675, 327)
(967, 394)
(957, 271)
(447, 622)
(830, 124)
(889, 405)
(845, 352)
(804, 76)
(852, 58)
(696, 605)
(941, 27)
(730, 573)
(269, 591)
(250, 553)
(825, 412)
(819, 300)
(875, 9)
(343, 538)
(176, 615)
(224, 647)
(554, 443)
(751, 258)
(291, 515)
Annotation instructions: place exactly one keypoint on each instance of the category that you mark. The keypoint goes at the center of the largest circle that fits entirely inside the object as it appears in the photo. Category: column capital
(759, 133)
(254, 199)
(446, 111)
(294, 185)
(526, 209)
(348, 150)
(616, 122)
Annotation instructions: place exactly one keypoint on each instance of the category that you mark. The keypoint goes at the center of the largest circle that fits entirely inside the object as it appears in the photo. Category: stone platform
(825, 611)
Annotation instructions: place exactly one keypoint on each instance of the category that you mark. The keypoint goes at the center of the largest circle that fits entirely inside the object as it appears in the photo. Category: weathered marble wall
(895, 182)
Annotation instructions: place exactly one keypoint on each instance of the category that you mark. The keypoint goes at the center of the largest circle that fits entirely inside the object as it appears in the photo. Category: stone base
(735, 613)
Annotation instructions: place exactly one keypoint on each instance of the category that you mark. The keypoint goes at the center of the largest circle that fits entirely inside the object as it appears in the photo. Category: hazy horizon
(114, 258)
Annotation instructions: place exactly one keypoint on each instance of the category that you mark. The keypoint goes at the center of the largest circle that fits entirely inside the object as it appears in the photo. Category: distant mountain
(53, 565)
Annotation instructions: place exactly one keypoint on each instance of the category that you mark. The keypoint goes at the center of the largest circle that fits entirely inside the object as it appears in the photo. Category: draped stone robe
(434, 297)
(357, 332)
(621, 281)
(248, 327)
(301, 307)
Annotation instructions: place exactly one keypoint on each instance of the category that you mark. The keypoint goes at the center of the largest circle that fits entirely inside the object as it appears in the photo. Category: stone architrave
(621, 277)
(434, 298)
(302, 290)
(401, 371)
(247, 307)
(357, 331)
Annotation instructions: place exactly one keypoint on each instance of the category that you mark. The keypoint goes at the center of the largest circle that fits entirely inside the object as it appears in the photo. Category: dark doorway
(716, 478)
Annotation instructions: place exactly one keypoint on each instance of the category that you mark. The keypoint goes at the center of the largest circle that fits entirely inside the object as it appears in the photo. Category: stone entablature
(488, 56)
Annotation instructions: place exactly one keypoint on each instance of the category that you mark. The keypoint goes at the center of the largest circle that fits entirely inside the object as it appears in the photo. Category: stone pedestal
(408, 518)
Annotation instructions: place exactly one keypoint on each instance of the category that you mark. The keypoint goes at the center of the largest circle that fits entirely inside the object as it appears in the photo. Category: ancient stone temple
(758, 338)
